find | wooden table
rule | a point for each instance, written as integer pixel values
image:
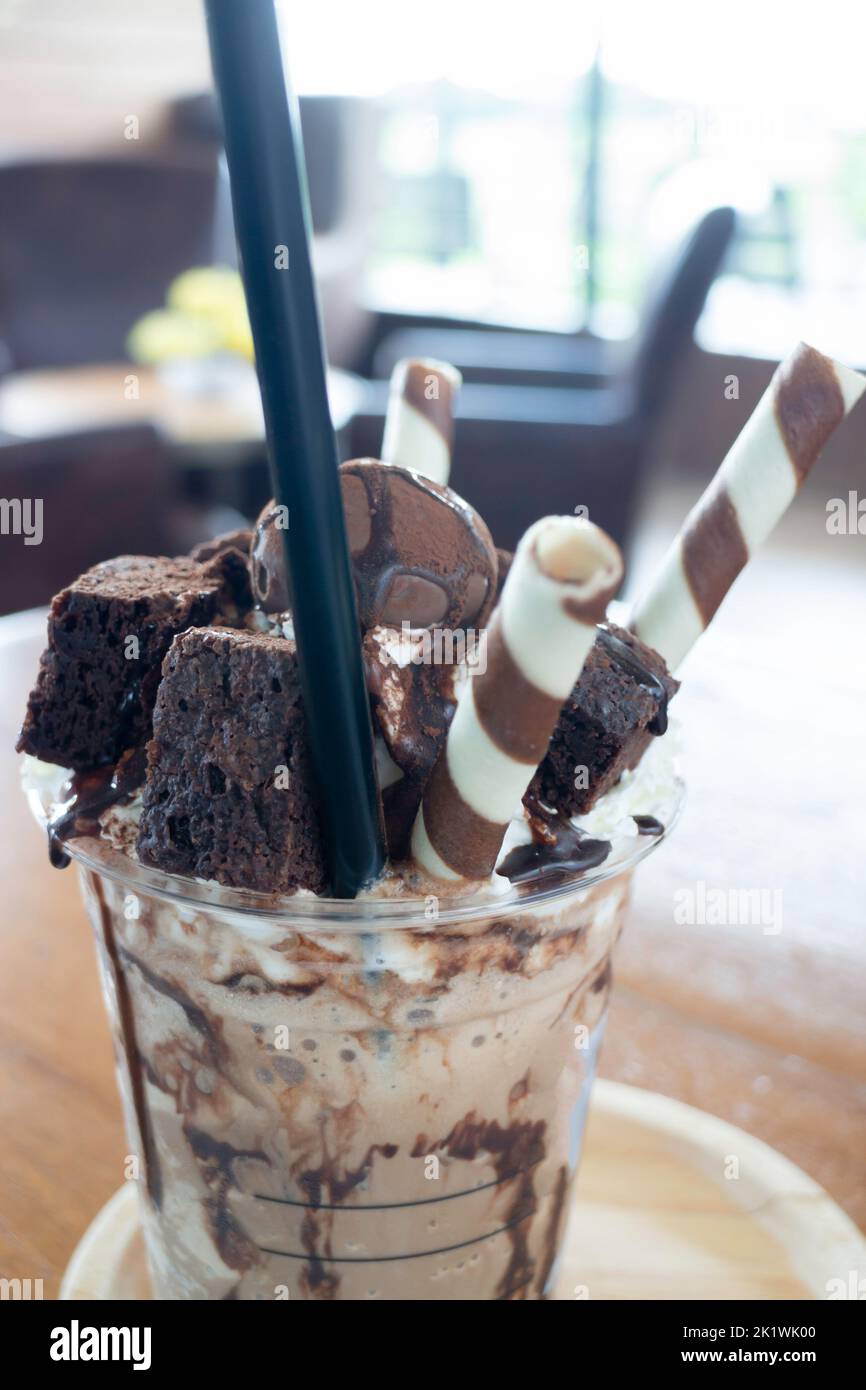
(763, 1029)
(218, 413)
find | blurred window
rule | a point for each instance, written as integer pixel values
(503, 155)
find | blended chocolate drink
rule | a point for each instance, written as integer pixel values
(381, 1097)
(378, 1109)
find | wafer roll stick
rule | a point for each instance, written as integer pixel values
(419, 424)
(564, 573)
(807, 398)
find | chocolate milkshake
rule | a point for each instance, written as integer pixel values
(381, 1097)
(386, 1109)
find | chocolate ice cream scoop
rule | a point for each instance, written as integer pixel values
(420, 554)
(268, 561)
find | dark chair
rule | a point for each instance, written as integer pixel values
(103, 493)
(194, 120)
(89, 245)
(339, 135)
(549, 422)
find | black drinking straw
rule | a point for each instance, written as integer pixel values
(269, 197)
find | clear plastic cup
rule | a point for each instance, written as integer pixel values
(378, 1099)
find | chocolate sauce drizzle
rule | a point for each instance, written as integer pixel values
(648, 825)
(88, 795)
(629, 660)
(126, 1023)
(557, 848)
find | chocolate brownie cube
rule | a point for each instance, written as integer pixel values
(240, 540)
(228, 556)
(107, 636)
(229, 793)
(617, 706)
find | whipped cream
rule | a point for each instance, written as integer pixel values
(652, 789)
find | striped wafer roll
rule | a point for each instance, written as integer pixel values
(807, 398)
(419, 425)
(564, 573)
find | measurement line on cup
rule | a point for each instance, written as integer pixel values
(387, 1259)
(390, 1206)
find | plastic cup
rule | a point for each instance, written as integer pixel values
(368, 1099)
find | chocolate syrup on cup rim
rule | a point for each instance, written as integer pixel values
(361, 913)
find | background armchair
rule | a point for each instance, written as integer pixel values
(550, 421)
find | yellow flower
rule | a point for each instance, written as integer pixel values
(163, 335)
(216, 294)
(237, 334)
(207, 292)
(206, 313)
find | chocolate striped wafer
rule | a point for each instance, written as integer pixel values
(419, 424)
(807, 398)
(564, 573)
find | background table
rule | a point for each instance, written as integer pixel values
(765, 1030)
(228, 414)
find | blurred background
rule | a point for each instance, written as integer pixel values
(615, 220)
(596, 216)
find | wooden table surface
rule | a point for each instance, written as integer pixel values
(190, 408)
(762, 1028)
